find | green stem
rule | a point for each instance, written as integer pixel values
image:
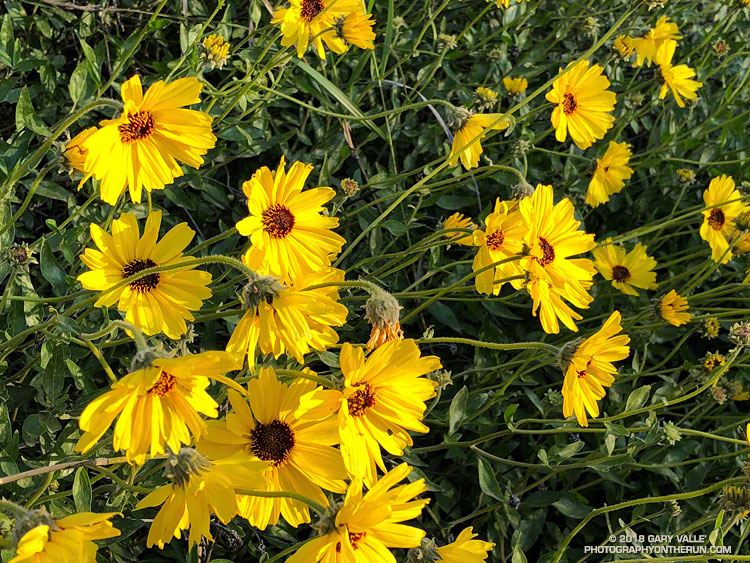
(637, 502)
(493, 345)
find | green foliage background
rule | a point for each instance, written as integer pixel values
(499, 456)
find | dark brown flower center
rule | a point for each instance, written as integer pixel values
(163, 385)
(569, 103)
(548, 252)
(354, 539)
(278, 221)
(495, 240)
(361, 400)
(310, 9)
(620, 273)
(146, 283)
(139, 126)
(272, 442)
(716, 219)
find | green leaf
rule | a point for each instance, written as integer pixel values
(487, 481)
(609, 442)
(457, 410)
(53, 273)
(510, 410)
(26, 117)
(637, 398)
(571, 507)
(77, 85)
(518, 555)
(82, 490)
(329, 358)
(568, 451)
(336, 92)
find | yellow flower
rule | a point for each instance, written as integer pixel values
(76, 154)
(356, 28)
(610, 174)
(140, 149)
(309, 19)
(289, 319)
(293, 429)
(465, 549)
(290, 237)
(711, 327)
(367, 525)
(712, 360)
(673, 309)
(199, 488)
(515, 85)
(590, 370)
(625, 46)
(501, 239)
(719, 216)
(67, 540)
(677, 78)
(158, 405)
(552, 238)
(686, 176)
(581, 103)
(486, 98)
(458, 221)
(741, 395)
(626, 271)
(155, 303)
(470, 127)
(383, 398)
(216, 51)
(647, 46)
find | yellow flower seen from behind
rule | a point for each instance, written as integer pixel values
(582, 102)
(458, 221)
(293, 428)
(141, 148)
(158, 302)
(719, 216)
(289, 234)
(673, 309)
(368, 524)
(465, 549)
(501, 239)
(515, 85)
(65, 540)
(486, 98)
(157, 406)
(626, 271)
(356, 28)
(290, 319)
(678, 79)
(590, 369)
(647, 46)
(466, 145)
(216, 51)
(611, 172)
(197, 491)
(382, 400)
(624, 46)
(75, 153)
